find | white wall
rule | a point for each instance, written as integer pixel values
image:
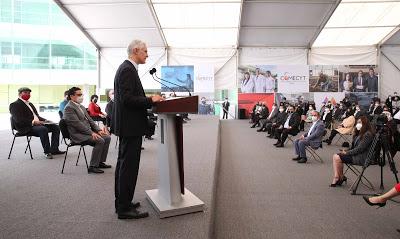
(389, 73)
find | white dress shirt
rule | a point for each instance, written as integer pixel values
(35, 117)
(134, 64)
(312, 127)
(286, 125)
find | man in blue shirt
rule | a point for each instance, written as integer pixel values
(63, 104)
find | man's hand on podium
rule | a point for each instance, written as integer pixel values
(156, 98)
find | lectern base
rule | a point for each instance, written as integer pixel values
(189, 204)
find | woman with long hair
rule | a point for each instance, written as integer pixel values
(357, 154)
(247, 84)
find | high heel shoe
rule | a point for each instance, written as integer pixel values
(337, 183)
(379, 204)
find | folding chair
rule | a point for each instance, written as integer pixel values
(314, 154)
(364, 180)
(18, 134)
(343, 137)
(66, 136)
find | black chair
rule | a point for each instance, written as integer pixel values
(66, 136)
(18, 134)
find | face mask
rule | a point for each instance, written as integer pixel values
(358, 109)
(79, 99)
(314, 118)
(327, 110)
(280, 110)
(112, 97)
(95, 100)
(376, 105)
(358, 126)
(25, 97)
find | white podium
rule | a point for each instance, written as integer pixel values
(172, 198)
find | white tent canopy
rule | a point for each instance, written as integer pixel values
(265, 31)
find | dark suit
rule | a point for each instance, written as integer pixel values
(23, 117)
(328, 119)
(109, 110)
(280, 120)
(372, 83)
(294, 122)
(225, 107)
(360, 85)
(129, 122)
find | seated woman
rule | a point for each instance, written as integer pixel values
(95, 110)
(380, 201)
(362, 138)
(346, 127)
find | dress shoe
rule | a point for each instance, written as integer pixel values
(149, 138)
(302, 160)
(48, 156)
(297, 158)
(279, 145)
(338, 182)
(132, 214)
(379, 204)
(259, 130)
(103, 165)
(278, 142)
(58, 152)
(133, 205)
(94, 170)
(253, 126)
(142, 148)
(270, 136)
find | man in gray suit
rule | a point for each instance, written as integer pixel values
(312, 138)
(83, 129)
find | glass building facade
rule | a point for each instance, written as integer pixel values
(40, 47)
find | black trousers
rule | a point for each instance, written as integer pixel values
(283, 133)
(225, 115)
(126, 171)
(42, 131)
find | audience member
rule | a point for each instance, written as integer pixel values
(27, 120)
(362, 138)
(95, 110)
(109, 108)
(280, 120)
(346, 127)
(261, 113)
(290, 126)
(83, 129)
(63, 104)
(327, 117)
(312, 138)
(270, 119)
(381, 200)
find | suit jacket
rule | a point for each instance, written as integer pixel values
(281, 118)
(80, 125)
(328, 120)
(356, 84)
(22, 116)
(372, 83)
(130, 103)
(109, 110)
(294, 121)
(360, 148)
(226, 105)
(316, 134)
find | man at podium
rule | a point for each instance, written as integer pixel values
(129, 123)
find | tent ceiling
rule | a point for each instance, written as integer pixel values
(113, 24)
(283, 23)
(236, 23)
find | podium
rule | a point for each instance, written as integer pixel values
(172, 198)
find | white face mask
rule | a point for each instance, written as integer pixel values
(280, 110)
(79, 99)
(358, 126)
(310, 108)
(314, 118)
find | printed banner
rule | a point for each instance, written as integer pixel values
(178, 78)
(323, 97)
(204, 78)
(292, 79)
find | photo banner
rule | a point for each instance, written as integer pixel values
(204, 78)
(247, 101)
(181, 78)
(293, 79)
(323, 97)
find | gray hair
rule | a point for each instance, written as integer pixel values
(317, 112)
(138, 44)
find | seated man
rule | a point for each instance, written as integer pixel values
(83, 129)
(280, 120)
(327, 117)
(291, 126)
(270, 119)
(262, 114)
(313, 138)
(27, 120)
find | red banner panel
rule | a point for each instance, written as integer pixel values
(247, 101)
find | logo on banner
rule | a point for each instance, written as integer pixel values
(287, 76)
(332, 100)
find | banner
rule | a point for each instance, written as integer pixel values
(247, 101)
(179, 78)
(292, 79)
(204, 78)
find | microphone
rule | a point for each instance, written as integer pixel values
(153, 71)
